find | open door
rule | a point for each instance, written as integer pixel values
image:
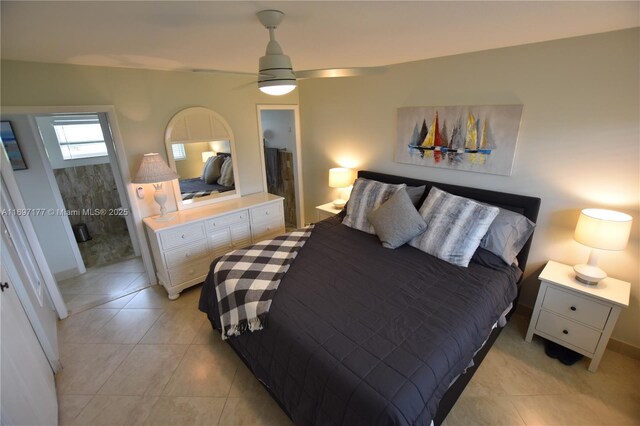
(279, 127)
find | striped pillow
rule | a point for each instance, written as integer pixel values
(455, 226)
(226, 173)
(366, 196)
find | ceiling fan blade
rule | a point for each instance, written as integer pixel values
(339, 72)
(223, 72)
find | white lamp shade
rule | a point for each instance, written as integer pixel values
(340, 177)
(153, 169)
(603, 229)
(206, 155)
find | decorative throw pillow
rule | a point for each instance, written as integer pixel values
(226, 173)
(212, 169)
(507, 234)
(415, 193)
(397, 221)
(367, 195)
(455, 226)
(204, 169)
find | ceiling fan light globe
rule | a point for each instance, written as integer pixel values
(277, 88)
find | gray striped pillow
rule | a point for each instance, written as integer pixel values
(366, 196)
(455, 226)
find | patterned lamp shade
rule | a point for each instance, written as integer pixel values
(153, 169)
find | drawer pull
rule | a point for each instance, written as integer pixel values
(565, 331)
(183, 236)
(573, 308)
(187, 254)
(266, 213)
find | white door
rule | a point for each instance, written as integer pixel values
(27, 387)
(19, 259)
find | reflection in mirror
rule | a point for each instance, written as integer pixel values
(200, 150)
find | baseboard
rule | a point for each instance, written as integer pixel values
(65, 275)
(619, 346)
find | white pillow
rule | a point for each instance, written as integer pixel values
(366, 196)
(455, 226)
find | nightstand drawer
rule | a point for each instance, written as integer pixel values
(576, 307)
(568, 331)
(183, 235)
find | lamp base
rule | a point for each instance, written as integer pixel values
(339, 203)
(589, 274)
(165, 218)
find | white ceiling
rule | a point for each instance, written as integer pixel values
(184, 35)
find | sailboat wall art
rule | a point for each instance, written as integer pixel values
(471, 138)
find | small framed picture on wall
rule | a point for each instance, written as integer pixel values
(11, 146)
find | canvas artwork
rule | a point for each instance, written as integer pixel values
(471, 138)
(11, 147)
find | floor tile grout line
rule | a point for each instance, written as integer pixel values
(117, 366)
(161, 392)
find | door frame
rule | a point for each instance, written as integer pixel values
(32, 238)
(123, 166)
(298, 158)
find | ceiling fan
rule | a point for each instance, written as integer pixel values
(276, 75)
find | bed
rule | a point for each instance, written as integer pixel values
(358, 334)
(196, 187)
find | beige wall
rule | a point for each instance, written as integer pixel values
(145, 101)
(579, 141)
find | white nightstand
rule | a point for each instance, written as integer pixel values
(575, 315)
(326, 210)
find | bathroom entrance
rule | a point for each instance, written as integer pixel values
(71, 174)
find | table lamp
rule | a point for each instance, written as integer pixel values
(341, 178)
(601, 230)
(154, 170)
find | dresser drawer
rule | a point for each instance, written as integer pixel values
(227, 219)
(576, 307)
(568, 331)
(182, 235)
(266, 213)
(266, 230)
(180, 256)
(189, 271)
(220, 241)
(240, 235)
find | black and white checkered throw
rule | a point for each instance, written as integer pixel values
(246, 280)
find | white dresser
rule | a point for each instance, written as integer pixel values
(184, 247)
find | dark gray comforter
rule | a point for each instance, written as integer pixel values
(362, 335)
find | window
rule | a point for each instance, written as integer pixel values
(80, 136)
(178, 151)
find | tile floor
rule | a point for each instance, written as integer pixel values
(103, 284)
(143, 359)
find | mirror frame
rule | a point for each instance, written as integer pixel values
(216, 121)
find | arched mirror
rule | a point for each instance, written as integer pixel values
(200, 148)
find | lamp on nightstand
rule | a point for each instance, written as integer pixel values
(341, 178)
(601, 230)
(154, 170)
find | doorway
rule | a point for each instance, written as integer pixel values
(89, 234)
(279, 128)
